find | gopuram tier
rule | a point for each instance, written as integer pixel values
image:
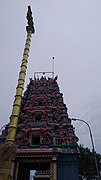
(43, 119)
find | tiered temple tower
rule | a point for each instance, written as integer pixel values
(45, 138)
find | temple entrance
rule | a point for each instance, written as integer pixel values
(33, 171)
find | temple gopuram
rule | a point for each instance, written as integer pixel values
(45, 137)
(45, 140)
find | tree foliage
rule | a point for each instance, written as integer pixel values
(87, 167)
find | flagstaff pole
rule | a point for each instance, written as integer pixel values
(8, 150)
(19, 90)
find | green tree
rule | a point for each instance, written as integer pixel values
(87, 168)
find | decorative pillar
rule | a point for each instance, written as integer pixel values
(53, 168)
(15, 170)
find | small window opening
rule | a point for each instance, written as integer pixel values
(35, 140)
(38, 116)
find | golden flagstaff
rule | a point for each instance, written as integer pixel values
(8, 150)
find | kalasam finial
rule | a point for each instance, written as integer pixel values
(29, 17)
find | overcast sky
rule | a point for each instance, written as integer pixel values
(69, 30)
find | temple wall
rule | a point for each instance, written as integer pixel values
(67, 168)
